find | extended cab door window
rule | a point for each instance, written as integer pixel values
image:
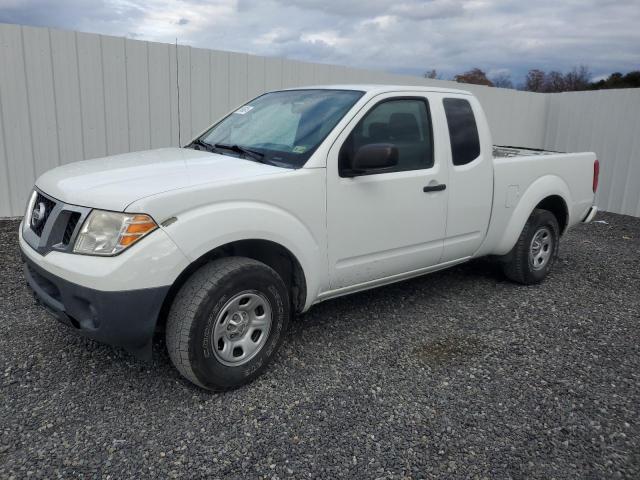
(404, 123)
(463, 131)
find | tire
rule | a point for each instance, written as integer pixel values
(217, 334)
(528, 263)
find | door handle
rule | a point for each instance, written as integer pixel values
(434, 188)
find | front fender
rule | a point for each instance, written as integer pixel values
(201, 230)
(540, 189)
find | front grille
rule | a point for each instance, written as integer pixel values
(45, 206)
(56, 226)
(70, 228)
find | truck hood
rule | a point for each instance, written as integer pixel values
(112, 183)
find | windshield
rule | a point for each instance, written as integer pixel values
(281, 128)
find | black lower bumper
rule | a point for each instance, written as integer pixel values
(123, 318)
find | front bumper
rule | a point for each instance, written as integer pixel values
(115, 300)
(122, 318)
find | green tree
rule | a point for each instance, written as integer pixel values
(618, 80)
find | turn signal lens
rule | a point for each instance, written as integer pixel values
(141, 224)
(136, 229)
(109, 233)
(125, 241)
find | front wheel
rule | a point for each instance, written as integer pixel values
(226, 322)
(533, 255)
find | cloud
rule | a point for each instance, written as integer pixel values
(404, 36)
(428, 10)
(66, 13)
(349, 8)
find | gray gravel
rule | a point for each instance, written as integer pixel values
(456, 375)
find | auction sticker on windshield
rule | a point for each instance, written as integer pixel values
(243, 110)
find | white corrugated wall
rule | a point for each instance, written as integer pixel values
(606, 122)
(67, 96)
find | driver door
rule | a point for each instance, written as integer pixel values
(392, 222)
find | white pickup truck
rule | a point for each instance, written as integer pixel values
(296, 197)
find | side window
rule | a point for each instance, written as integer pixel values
(463, 131)
(405, 123)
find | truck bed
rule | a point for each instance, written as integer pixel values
(522, 177)
(502, 151)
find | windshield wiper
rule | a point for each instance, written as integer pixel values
(257, 156)
(207, 146)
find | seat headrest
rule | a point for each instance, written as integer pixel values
(404, 127)
(379, 131)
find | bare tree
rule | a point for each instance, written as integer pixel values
(577, 79)
(502, 80)
(433, 74)
(475, 76)
(555, 82)
(535, 81)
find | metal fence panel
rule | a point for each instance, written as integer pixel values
(41, 99)
(161, 86)
(115, 95)
(66, 83)
(16, 120)
(606, 122)
(92, 95)
(220, 101)
(200, 91)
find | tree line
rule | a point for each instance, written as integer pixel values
(577, 79)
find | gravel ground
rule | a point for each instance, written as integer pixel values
(459, 374)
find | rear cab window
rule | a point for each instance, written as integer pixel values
(463, 131)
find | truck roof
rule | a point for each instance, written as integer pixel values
(371, 88)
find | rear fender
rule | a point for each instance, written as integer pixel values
(540, 189)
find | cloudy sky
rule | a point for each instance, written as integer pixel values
(400, 36)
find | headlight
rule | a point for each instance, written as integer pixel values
(109, 233)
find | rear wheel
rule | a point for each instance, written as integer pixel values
(226, 322)
(533, 255)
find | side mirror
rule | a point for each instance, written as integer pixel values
(372, 157)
